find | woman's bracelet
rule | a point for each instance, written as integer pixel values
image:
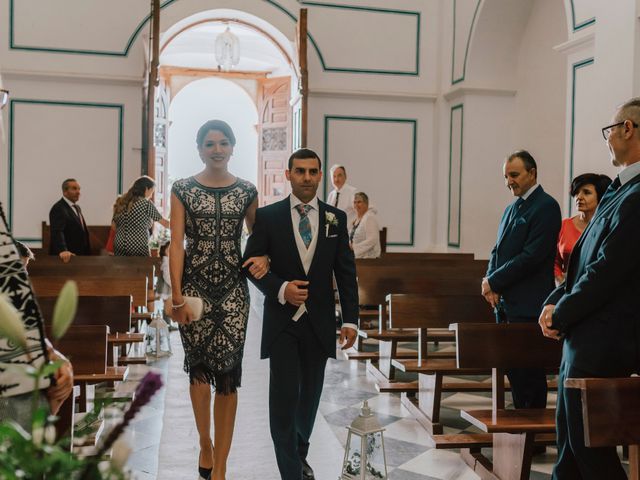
(180, 305)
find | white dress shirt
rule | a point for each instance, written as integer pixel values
(345, 201)
(72, 205)
(306, 254)
(626, 174)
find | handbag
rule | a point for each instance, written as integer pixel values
(196, 305)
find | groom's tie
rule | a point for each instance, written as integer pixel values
(304, 227)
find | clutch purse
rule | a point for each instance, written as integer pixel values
(196, 305)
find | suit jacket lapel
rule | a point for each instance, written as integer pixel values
(73, 214)
(506, 223)
(287, 225)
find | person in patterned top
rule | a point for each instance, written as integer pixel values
(133, 217)
(207, 215)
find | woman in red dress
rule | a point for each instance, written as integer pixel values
(587, 190)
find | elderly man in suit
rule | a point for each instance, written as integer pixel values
(69, 233)
(308, 244)
(597, 309)
(342, 195)
(520, 273)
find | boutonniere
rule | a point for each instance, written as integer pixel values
(329, 219)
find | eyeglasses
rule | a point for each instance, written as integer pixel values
(606, 131)
(4, 97)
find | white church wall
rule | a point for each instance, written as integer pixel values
(57, 130)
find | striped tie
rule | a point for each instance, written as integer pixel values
(304, 227)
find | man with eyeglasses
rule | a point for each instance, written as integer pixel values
(597, 309)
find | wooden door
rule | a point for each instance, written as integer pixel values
(299, 103)
(274, 138)
(160, 136)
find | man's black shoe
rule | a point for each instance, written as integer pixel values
(307, 471)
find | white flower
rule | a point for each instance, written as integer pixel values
(330, 219)
(37, 436)
(50, 434)
(11, 326)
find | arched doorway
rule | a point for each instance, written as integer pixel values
(206, 99)
(268, 72)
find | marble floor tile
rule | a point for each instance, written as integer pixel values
(408, 430)
(440, 464)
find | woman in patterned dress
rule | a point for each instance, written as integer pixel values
(208, 210)
(133, 217)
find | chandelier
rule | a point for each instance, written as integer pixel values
(227, 50)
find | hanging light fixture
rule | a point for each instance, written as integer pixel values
(227, 50)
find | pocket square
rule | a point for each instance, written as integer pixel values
(335, 235)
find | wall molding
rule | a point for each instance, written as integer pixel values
(577, 42)
(28, 101)
(466, 51)
(411, 121)
(74, 77)
(455, 242)
(385, 11)
(574, 74)
(583, 24)
(124, 52)
(458, 92)
(374, 95)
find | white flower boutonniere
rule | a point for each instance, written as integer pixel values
(330, 219)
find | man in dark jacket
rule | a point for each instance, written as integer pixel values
(69, 233)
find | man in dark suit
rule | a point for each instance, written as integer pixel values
(69, 233)
(597, 309)
(520, 273)
(308, 245)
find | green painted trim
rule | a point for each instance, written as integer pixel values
(460, 107)
(132, 38)
(29, 240)
(576, 66)
(583, 24)
(12, 111)
(386, 11)
(466, 51)
(414, 123)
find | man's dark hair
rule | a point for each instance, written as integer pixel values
(303, 154)
(527, 159)
(217, 125)
(66, 183)
(599, 181)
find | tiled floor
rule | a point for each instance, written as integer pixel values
(164, 439)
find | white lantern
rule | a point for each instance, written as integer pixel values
(364, 457)
(158, 341)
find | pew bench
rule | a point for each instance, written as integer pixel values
(611, 414)
(502, 346)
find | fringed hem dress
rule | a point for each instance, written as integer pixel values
(214, 218)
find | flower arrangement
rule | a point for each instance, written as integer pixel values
(36, 454)
(160, 237)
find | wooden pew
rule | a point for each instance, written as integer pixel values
(425, 312)
(86, 347)
(95, 266)
(98, 236)
(611, 414)
(113, 311)
(502, 346)
(136, 286)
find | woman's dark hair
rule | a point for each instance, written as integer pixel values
(217, 125)
(599, 181)
(137, 190)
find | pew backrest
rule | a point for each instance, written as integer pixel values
(85, 346)
(431, 311)
(113, 311)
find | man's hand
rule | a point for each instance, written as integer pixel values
(546, 320)
(59, 392)
(66, 256)
(347, 337)
(258, 266)
(296, 292)
(489, 295)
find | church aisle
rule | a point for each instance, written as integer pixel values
(410, 455)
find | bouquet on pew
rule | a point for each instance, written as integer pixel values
(37, 454)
